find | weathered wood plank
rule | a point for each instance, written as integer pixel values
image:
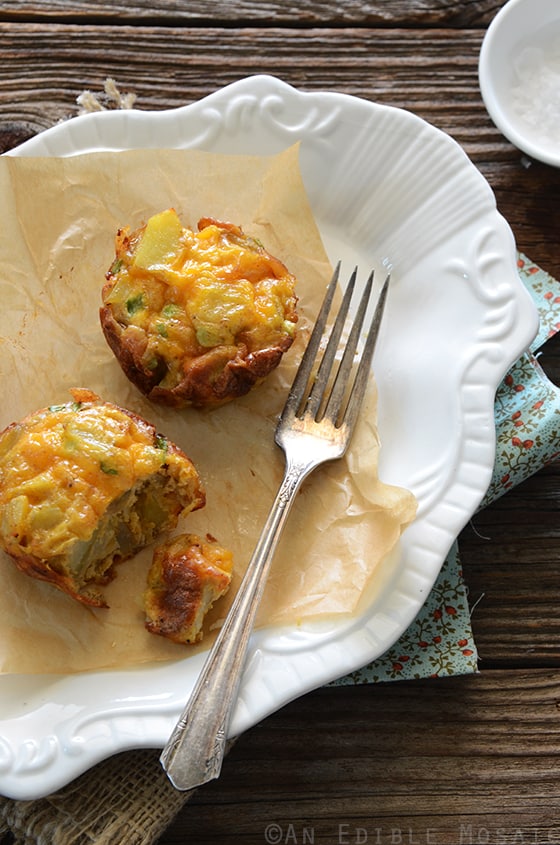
(441, 762)
(511, 562)
(302, 13)
(434, 73)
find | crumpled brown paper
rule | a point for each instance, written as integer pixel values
(58, 221)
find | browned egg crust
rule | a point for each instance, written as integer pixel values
(187, 576)
(85, 485)
(196, 317)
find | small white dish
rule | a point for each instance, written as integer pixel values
(519, 75)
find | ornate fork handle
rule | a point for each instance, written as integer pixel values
(195, 750)
(315, 426)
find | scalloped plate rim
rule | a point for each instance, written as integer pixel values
(48, 758)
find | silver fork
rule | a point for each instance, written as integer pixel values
(316, 426)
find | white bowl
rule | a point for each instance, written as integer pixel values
(519, 75)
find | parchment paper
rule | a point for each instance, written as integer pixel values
(58, 220)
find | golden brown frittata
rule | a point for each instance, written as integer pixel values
(196, 317)
(187, 575)
(85, 485)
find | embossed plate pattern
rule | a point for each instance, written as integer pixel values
(387, 187)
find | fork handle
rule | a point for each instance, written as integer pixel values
(194, 753)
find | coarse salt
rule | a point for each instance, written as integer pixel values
(536, 92)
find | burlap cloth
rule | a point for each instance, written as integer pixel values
(127, 799)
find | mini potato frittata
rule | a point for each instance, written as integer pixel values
(85, 485)
(196, 317)
(188, 574)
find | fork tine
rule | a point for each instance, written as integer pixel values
(340, 385)
(297, 390)
(323, 373)
(364, 367)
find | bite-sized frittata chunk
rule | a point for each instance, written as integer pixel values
(196, 317)
(187, 576)
(85, 485)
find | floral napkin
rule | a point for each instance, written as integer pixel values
(527, 413)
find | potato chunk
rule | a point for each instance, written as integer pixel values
(160, 243)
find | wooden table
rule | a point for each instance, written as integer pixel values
(465, 760)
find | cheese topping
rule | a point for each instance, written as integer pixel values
(63, 468)
(178, 293)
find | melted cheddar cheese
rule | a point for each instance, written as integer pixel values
(174, 295)
(85, 484)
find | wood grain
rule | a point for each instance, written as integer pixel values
(511, 557)
(459, 760)
(302, 13)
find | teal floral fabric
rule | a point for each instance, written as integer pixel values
(527, 407)
(527, 411)
(440, 640)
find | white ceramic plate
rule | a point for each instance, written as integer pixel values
(385, 187)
